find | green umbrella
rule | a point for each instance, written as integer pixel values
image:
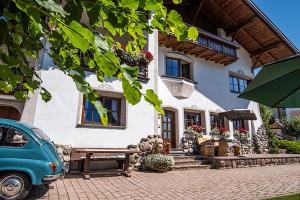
(277, 84)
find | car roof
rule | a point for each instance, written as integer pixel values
(15, 123)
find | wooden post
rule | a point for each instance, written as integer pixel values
(126, 165)
(86, 168)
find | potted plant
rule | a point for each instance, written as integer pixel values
(195, 131)
(242, 135)
(220, 134)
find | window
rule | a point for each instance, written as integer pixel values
(41, 134)
(237, 85)
(12, 138)
(191, 118)
(216, 121)
(113, 106)
(238, 123)
(178, 68)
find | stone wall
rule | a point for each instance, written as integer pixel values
(148, 145)
(261, 141)
(64, 152)
(236, 162)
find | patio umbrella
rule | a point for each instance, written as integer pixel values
(277, 84)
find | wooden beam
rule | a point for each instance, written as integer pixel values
(233, 21)
(243, 25)
(265, 49)
(197, 12)
(256, 61)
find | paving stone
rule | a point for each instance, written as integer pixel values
(238, 183)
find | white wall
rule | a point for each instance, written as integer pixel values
(59, 117)
(212, 93)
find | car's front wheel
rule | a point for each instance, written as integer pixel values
(14, 186)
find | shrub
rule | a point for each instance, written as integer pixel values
(159, 162)
(292, 126)
(290, 146)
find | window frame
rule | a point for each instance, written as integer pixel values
(243, 124)
(21, 132)
(98, 124)
(179, 68)
(191, 113)
(239, 81)
(217, 123)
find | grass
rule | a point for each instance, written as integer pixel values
(288, 197)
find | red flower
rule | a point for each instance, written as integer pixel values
(197, 128)
(148, 55)
(222, 130)
(242, 130)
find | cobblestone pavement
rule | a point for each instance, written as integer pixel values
(240, 183)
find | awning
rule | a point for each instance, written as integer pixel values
(239, 114)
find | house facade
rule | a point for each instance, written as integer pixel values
(197, 82)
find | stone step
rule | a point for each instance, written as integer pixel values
(183, 157)
(187, 162)
(188, 167)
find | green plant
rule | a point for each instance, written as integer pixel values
(292, 126)
(71, 27)
(290, 146)
(159, 162)
(266, 114)
(195, 130)
(220, 133)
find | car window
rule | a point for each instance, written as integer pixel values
(12, 138)
(41, 134)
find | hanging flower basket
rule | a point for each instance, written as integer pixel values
(134, 59)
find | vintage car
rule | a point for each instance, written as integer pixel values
(27, 157)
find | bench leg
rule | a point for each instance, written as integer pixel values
(126, 166)
(120, 164)
(86, 168)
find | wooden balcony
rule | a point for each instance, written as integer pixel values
(208, 46)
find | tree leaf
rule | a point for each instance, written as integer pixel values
(5, 86)
(102, 112)
(193, 33)
(52, 6)
(45, 94)
(132, 4)
(177, 1)
(132, 94)
(153, 99)
(108, 63)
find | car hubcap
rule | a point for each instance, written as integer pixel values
(11, 187)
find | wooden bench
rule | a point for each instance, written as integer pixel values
(85, 156)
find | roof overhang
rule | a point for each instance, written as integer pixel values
(245, 23)
(239, 114)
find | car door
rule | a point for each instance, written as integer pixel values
(16, 144)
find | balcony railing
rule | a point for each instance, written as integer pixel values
(208, 46)
(142, 75)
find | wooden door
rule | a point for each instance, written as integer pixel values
(168, 128)
(9, 113)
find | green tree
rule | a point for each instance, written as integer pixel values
(266, 115)
(24, 22)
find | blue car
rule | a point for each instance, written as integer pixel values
(27, 157)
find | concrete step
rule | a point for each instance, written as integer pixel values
(188, 167)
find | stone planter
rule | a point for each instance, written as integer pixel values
(236, 150)
(223, 148)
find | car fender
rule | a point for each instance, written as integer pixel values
(35, 169)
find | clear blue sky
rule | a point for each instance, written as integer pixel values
(285, 14)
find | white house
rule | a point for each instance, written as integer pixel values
(195, 80)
